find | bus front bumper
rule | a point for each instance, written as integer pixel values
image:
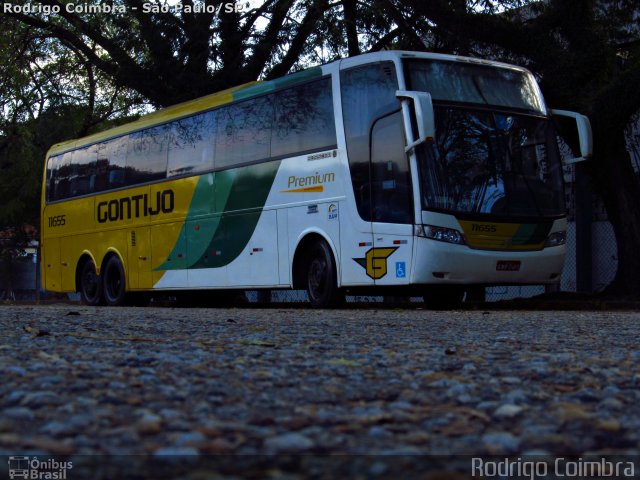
(446, 263)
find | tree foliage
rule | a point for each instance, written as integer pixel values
(48, 93)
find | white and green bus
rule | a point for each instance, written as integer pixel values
(395, 173)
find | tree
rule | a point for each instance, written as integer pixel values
(170, 56)
(48, 93)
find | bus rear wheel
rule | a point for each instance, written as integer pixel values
(443, 297)
(113, 281)
(90, 284)
(321, 277)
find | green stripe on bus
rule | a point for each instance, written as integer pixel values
(240, 195)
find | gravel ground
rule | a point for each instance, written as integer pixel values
(200, 382)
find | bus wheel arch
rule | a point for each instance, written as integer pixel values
(114, 280)
(89, 281)
(315, 270)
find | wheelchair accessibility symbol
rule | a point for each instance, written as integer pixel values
(401, 270)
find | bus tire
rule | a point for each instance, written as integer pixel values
(321, 276)
(443, 297)
(90, 284)
(113, 282)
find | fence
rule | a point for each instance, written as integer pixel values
(18, 277)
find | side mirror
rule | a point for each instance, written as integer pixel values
(424, 116)
(585, 136)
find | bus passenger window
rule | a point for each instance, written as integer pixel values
(147, 155)
(82, 169)
(52, 166)
(390, 178)
(244, 132)
(368, 93)
(99, 181)
(111, 160)
(191, 145)
(304, 119)
(61, 177)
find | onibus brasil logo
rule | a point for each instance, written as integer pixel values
(33, 468)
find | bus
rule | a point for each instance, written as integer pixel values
(390, 173)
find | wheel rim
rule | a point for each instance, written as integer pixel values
(113, 283)
(317, 278)
(90, 284)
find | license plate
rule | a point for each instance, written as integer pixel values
(508, 265)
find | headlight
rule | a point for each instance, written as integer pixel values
(556, 238)
(442, 234)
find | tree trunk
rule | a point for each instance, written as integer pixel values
(353, 46)
(619, 187)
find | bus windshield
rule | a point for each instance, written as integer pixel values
(498, 164)
(495, 153)
(478, 84)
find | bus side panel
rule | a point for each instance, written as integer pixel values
(139, 258)
(321, 218)
(257, 264)
(69, 221)
(108, 242)
(199, 249)
(51, 264)
(70, 253)
(169, 240)
(169, 237)
(284, 266)
(119, 219)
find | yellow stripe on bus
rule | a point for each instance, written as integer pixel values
(317, 188)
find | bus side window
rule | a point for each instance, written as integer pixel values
(391, 181)
(83, 167)
(368, 93)
(52, 165)
(112, 164)
(192, 144)
(244, 132)
(147, 155)
(99, 180)
(61, 177)
(304, 119)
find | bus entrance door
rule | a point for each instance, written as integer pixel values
(391, 202)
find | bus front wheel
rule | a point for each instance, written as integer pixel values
(90, 284)
(113, 281)
(321, 277)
